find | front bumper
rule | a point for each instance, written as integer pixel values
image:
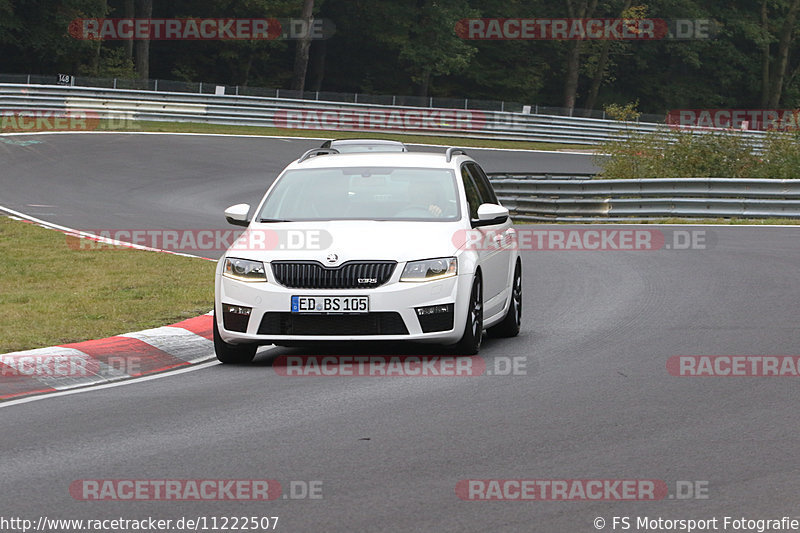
(391, 305)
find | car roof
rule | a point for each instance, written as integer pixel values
(378, 159)
(334, 142)
(365, 145)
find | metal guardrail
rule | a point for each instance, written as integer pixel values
(496, 176)
(531, 198)
(133, 105)
(326, 96)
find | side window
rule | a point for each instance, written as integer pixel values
(482, 182)
(473, 196)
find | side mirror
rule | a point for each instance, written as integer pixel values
(237, 215)
(490, 214)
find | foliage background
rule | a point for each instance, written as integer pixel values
(410, 47)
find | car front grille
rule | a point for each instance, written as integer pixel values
(315, 275)
(379, 323)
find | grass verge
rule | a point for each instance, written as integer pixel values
(53, 294)
(465, 142)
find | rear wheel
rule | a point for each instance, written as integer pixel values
(235, 354)
(510, 325)
(470, 342)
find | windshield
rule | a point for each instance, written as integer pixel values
(374, 193)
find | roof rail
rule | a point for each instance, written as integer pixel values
(317, 151)
(364, 141)
(452, 151)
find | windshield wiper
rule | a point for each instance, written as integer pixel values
(272, 220)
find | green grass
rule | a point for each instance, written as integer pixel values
(455, 140)
(53, 293)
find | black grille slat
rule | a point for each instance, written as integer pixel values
(381, 323)
(315, 275)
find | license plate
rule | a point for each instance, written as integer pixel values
(330, 304)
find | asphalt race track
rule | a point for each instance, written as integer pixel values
(110, 181)
(595, 399)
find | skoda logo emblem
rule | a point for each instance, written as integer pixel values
(332, 258)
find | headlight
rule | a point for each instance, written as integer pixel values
(244, 269)
(430, 269)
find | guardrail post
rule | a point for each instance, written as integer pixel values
(317, 95)
(355, 98)
(201, 87)
(430, 102)
(502, 105)
(277, 93)
(155, 87)
(465, 102)
(29, 79)
(237, 90)
(115, 83)
(394, 99)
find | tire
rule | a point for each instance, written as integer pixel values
(470, 342)
(509, 327)
(233, 354)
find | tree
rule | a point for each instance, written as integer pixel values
(781, 61)
(431, 47)
(598, 65)
(302, 49)
(575, 9)
(144, 9)
(129, 12)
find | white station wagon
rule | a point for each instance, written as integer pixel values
(388, 246)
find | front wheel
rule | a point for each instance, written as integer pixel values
(510, 325)
(470, 342)
(235, 354)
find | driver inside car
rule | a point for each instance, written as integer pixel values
(423, 195)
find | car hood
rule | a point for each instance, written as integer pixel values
(349, 240)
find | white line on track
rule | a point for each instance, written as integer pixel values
(122, 383)
(91, 388)
(92, 236)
